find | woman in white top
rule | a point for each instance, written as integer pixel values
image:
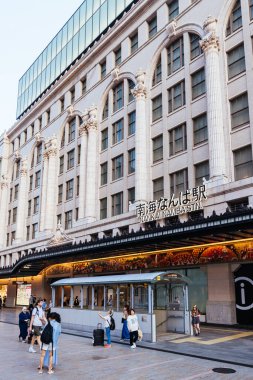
(133, 326)
(107, 324)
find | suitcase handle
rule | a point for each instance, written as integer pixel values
(99, 326)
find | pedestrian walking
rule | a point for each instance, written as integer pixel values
(38, 320)
(24, 320)
(133, 326)
(76, 301)
(107, 324)
(49, 351)
(125, 332)
(195, 314)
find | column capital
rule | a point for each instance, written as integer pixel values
(4, 182)
(50, 147)
(83, 129)
(92, 121)
(24, 166)
(210, 41)
(140, 90)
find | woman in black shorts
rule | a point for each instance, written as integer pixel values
(195, 313)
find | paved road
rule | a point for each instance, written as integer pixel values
(78, 359)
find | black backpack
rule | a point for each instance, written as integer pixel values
(112, 324)
(47, 334)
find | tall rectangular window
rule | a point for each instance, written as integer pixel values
(9, 217)
(37, 178)
(157, 149)
(251, 9)
(134, 42)
(62, 104)
(60, 193)
(69, 189)
(84, 85)
(178, 182)
(68, 220)
(14, 215)
(72, 130)
(195, 46)
(78, 154)
(35, 229)
(152, 27)
(16, 188)
(131, 123)
(103, 208)
(71, 159)
(158, 188)
(243, 163)
(36, 205)
(157, 76)
(178, 139)
(200, 132)
(173, 9)
(11, 190)
(201, 171)
(117, 167)
(39, 154)
(48, 116)
(117, 54)
(18, 163)
(72, 95)
(77, 185)
(103, 69)
(106, 109)
(175, 55)
(29, 208)
(131, 161)
(104, 139)
(118, 97)
(117, 204)
(30, 182)
(239, 109)
(61, 166)
(27, 233)
(198, 83)
(131, 86)
(40, 122)
(118, 131)
(176, 96)
(131, 195)
(236, 61)
(104, 173)
(157, 107)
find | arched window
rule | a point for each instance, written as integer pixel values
(195, 46)
(118, 96)
(72, 130)
(157, 77)
(175, 53)
(63, 138)
(131, 86)
(105, 110)
(235, 19)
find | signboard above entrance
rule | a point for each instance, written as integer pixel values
(189, 201)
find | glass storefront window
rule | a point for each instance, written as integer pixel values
(141, 297)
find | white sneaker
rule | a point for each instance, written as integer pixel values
(31, 349)
(134, 345)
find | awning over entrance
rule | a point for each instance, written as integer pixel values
(125, 279)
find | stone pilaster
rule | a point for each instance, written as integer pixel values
(210, 46)
(51, 150)
(44, 192)
(141, 151)
(83, 165)
(22, 196)
(92, 154)
(4, 207)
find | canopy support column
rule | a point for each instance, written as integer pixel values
(81, 304)
(71, 297)
(117, 294)
(92, 297)
(131, 295)
(53, 296)
(62, 295)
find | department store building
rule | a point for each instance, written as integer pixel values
(132, 152)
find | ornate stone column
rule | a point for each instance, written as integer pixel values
(92, 154)
(210, 46)
(44, 191)
(83, 164)
(4, 207)
(141, 156)
(51, 150)
(22, 196)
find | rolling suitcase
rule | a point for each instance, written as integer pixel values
(98, 336)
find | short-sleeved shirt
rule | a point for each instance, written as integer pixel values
(107, 321)
(38, 313)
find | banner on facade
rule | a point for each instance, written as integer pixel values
(186, 202)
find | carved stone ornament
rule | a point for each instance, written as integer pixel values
(115, 74)
(140, 90)
(17, 155)
(171, 28)
(210, 41)
(38, 138)
(59, 237)
(51, 146)
(92, 121)
(24, 166)
(4, 181)
(70, 111)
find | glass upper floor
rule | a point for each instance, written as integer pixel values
(84, 26)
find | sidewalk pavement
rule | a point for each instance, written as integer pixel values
(225, 345)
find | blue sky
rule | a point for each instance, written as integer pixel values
(26, 27)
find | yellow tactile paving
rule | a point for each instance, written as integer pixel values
(213, 341)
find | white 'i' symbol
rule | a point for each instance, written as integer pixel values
(242, 293)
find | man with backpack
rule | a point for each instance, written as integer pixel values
(109, 325)
(38, 320)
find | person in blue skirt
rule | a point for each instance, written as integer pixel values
(125, 332)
